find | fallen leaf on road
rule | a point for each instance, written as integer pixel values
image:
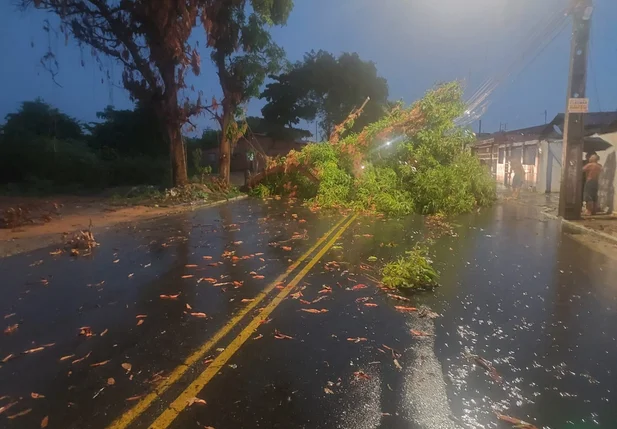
(21, 413)
(397, 365)
(105, 362)
(248, 300)
(356, 340)
(286, 248)
(313, 310)
(116, 261)
(140, 322)
(11, 329)
(131, 275)
(370, 304)
(405, 309)
(264, 321)
(170, 296)
(127, 367)
(35, 395)
(280, 336)
(56, 252)
(200, 315)
(359, 286)
(188, 307)
(372, 259)
(367, 235)
(44, 422)
(63, 358)
(7, 316)
(325, 289)
(34, 350)
(195, 401)
(207, 257)
(141, 316)
(258, 337)
(416, 333)
(81, 359)
(296, 295)
(514, 421)
(190, 266)
(362, 375)
(7, 406)
(136, 397)
(187, 276)
(207, 279)
(398, 297)
(305, 302)
(86, 331)
(328, 391)
(258, 277)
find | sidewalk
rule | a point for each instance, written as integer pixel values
(603, 227)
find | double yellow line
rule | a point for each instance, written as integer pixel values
(165, 419)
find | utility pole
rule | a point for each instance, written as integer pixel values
(570, 194)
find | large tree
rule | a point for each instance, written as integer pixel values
(327, 88)
(37, 118)
(243, 54)
(150, 39)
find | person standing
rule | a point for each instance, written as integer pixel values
(592, 172)
(519, 177)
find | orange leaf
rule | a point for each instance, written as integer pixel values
(7, 406)
(63, 358)
(359, 286)
(286, 248)
(21, 413)
(170, 296)
(44, 422)
(258, 277)
(127, 367)
(105, 362)
(279, 336)
(370, 304)
(313, 310)
(419, 333)
(188, 307)
(258, 337)
(141, 316)
(35, 395)
(207, 279)
(86, 331)
(296, 295)
(195, 401)
(361, 374)
(190, 266)
(81, 359)
(405, 309)
(248, 300)
(111, 381)
(134, 398)
(104, 332)
(201, 315)
(34, 350)
(11, 329)
(187, 276)
(356, 340)
(207, 257)
(140, 322)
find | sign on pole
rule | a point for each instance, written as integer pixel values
(578, 105)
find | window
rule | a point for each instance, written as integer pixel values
(529, 155)
(502, 154)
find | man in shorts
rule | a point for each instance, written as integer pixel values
(592, 172)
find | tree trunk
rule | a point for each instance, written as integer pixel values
(225, 147)
(176, 153)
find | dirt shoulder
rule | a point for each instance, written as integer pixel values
(34, 223)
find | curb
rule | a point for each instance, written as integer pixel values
(573, 225)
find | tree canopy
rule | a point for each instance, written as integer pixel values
(328, 88)
(37, 118)
(150, 39)
(243, 54)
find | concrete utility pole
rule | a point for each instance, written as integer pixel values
(570, 195)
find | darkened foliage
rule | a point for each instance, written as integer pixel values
(328, 88)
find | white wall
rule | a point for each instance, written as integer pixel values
(608, 178)
(543, 158)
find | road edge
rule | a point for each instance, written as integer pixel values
(573, 225)
(23, 245)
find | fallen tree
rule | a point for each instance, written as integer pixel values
(413, 160)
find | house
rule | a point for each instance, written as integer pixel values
(256, 148)
(540, 150)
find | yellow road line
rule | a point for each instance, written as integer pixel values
(170, 414)
(130, 415)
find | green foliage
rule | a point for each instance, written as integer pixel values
(326, 87)
(425, 168)
(261, 191)
(413, 271)
(39, 119)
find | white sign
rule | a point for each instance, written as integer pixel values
(578, 105)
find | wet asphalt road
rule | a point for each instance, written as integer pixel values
(515, 290)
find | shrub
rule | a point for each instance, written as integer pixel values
(413, 271)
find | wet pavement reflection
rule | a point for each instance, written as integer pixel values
(516, 290)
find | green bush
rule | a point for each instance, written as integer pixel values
(413, 271)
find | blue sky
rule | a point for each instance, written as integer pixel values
(415, 44)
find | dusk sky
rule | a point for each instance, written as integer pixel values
(414, 43)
